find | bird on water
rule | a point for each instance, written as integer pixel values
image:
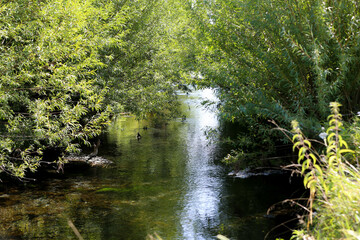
(138, 136)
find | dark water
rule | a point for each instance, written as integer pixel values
(170, 183)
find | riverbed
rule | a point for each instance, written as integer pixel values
(170, 182)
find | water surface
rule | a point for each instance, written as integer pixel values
(170, 182)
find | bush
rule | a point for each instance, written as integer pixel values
(333, 206)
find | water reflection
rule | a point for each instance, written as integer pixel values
(202, 180)
(166, 183)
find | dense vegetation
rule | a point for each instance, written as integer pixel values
(332, 177)
(278, 60)
(68, 66)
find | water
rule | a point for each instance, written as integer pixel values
(169, 182)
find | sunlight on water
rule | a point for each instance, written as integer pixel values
(203, 184)
(168, 182)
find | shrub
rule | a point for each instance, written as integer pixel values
(333, 205)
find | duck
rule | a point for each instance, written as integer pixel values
(138, 136)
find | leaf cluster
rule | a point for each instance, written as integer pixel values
(67, 66)
(280, 60)
(333, 184)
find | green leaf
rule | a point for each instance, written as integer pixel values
(308, 143)
(295, 145)
(346, 151)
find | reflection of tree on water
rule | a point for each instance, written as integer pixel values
(169, 185)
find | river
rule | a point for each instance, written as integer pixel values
(169, 182)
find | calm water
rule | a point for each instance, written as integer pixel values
(170, 183)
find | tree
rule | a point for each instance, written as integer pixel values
(49, 99)
(279, 59)
(138, 72)
(68, 66)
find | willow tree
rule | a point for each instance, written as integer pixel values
(279, 59)
(67, 66)
(48, 99)
(140, 72)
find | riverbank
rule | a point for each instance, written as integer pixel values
(171, 182)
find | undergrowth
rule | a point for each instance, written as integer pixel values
(333, 180)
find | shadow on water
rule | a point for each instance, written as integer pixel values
(168, 182)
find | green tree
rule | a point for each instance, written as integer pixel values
(140, 72)
(48, 96)
(67, 66)
(278, 59)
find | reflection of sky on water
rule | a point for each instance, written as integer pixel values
(201, 202)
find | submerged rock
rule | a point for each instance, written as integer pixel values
(248, 172)
(85, 161)
(99, 162)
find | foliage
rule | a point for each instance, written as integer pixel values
(279, 60)
(333, 183)
(48, 97)
(153, 237)
(139, 72)
(254, 140)
(66, 66)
